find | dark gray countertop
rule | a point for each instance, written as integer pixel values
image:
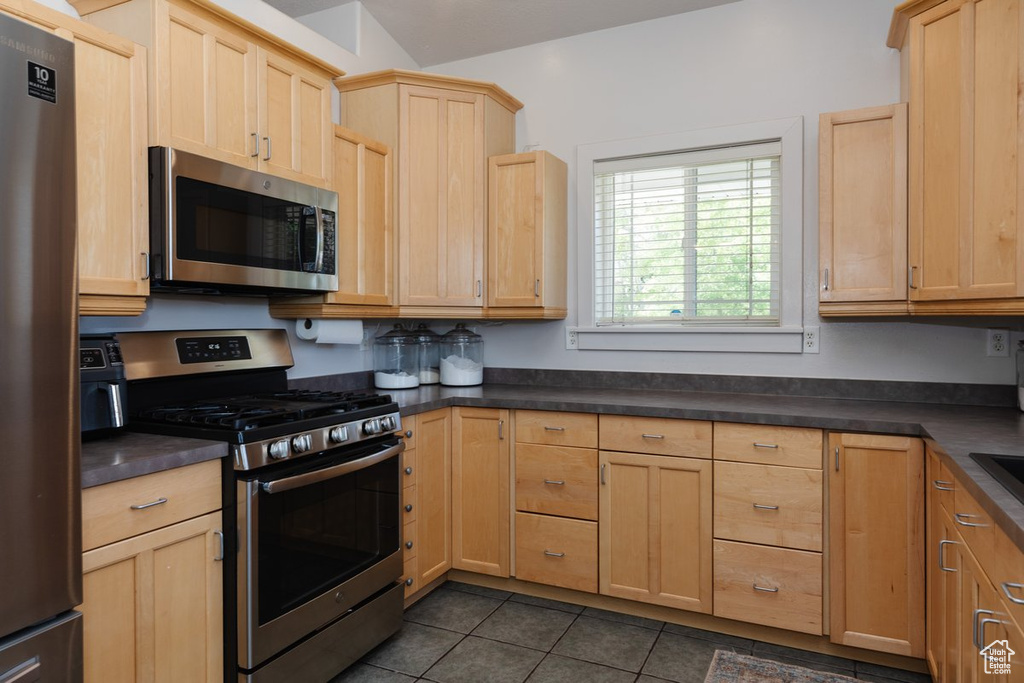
(130, 455)
(953, 430)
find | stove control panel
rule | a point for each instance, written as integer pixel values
(256, 454)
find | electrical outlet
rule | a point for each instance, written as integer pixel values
(998, 344)
(571, 341)
(811, 339)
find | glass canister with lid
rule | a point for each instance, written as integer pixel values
(428, 351)
(395, 360)
(462, 357)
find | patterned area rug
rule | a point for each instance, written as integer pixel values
(730, 667)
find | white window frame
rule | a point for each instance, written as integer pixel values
(787, 336)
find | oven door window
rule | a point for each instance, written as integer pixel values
(314, 537)
(223, 225)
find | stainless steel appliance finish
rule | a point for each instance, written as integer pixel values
(40, 518)
(312, 496)
(339, 645)
(219, 227)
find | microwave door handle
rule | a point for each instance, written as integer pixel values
(319, 265)
(317, 476)
(114, 397)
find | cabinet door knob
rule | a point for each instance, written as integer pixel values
(408, 582)
(408, 470)
(408, 433)
(408, 545)
(408, 508)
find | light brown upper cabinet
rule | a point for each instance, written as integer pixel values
(526, 235)
(862, 248)
(361, 176)
(113, 191)
(225, 89)
(442, 131)
(961, 75)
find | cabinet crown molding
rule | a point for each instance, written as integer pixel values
(404, 77)
(901, 19)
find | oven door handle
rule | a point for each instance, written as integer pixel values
(299, 480)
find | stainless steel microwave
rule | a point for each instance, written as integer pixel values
(215, 227)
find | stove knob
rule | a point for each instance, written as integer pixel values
(302, 443)
(371, 427)
(339, 434)
(278, 449)
(387, 423)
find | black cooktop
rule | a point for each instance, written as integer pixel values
(259, 416)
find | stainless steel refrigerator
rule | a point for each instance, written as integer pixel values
(40, 480)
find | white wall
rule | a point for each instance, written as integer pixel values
(748, 61)
(752, 60)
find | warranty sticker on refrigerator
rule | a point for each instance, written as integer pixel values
(42, 82)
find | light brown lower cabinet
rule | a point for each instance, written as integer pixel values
(427, 498)
(480, 490)
(153, 605)
(557, 551)
(655, 529)
(877, 543)
(766, 585)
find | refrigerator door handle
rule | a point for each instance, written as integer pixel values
(29, 671)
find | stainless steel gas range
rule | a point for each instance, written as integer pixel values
(311, 496)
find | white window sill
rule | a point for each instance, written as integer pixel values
(712, 339)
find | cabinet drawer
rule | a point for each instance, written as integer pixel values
(771, 586)
(409, 431)
(122, 509)
(656, 435)
(408, 504)
(769, 445)
(554, 480)
(998, 556)
(556, 551)
(768, 505)
(409, 544)
(408, 468)
(556, 429)
(409, 577)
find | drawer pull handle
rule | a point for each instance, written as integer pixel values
(942, 556)
(653, 436)
(943, 485)
(220, 545)
(408, 470)
(765, 590)
(554, 482)
(551, 554)
(974, 626)
(603, 482)
(765, 445)
(408, 508)
(158, 501)
(959, 517)
(1006, 591)
(554, 429)
(765, 507)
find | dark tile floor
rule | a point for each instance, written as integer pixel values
(468, 634)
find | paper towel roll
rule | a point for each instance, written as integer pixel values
(330, 331)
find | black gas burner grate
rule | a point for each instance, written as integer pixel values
(244, 413)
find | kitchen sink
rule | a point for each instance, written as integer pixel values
(1007, 469)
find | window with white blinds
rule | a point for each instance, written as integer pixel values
(689, 238)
